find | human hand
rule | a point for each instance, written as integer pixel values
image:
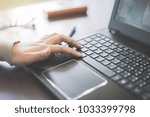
(27, 53)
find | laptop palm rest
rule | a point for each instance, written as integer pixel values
(73, 79)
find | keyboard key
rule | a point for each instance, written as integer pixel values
(111, 41)
(118, 49)
(145, 77)
(120, 57)
(105, 62)
(130, 86)
(147, 87)
(122, 81)
(132, 51)
(109, 57)
(133, 64)
(118, 69)
(104, 54)
(107, 44)
(133, 78)
(82, 42)
(137, 91)
(92, 37)
(116, 77)
(120, 46)
(109, 51)
(131, 56)
(88, 52)
(145, 96)
(125, 74)
(129, 68)
(98, 51)
(94, 55)
(126, 48)
(83, 55)
(103, 37)
(125, 53)
(142, 84)
(99, 59)
(84, 49)
(102, 41)
(116, 44)
(98, 45)
(88, 39)
(103, 69)
(97, 39)
(137, 72)
(126, 60)
(103, 48)
(122, 64)
(98, 35)
(88, 45)
(112, 47)
(107, 39)
(114, 54)
(115, 61)
(93, 48)
(112, 66)
(93, 42)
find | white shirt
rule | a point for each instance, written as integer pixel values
(6, 50)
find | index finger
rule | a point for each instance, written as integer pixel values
(56, 39)
(64, 49)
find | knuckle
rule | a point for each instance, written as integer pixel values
(47, 51)
(62, 36)
(50, 50)
(54, 33)
(40, 44)
(70, 41)
(59, 37)
(61, 48)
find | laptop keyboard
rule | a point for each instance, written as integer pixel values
(127, 67)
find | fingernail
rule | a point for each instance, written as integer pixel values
(79, 46)
(79, 54)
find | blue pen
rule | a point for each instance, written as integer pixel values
(72, 32)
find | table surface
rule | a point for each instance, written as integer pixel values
(19, 83)
(13, 3)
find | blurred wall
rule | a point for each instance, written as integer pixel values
(4, 4)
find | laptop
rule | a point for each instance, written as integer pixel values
(115, 63)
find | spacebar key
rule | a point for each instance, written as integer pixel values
(103, 69)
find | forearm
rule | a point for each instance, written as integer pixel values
(6, 50)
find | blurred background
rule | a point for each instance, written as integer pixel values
(23, 11)
(4, 4)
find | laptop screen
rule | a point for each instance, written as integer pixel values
(135, 13)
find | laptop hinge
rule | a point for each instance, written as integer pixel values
(113, 31)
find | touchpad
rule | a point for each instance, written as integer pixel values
(73, 79)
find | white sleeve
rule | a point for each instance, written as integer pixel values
(6, 50)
